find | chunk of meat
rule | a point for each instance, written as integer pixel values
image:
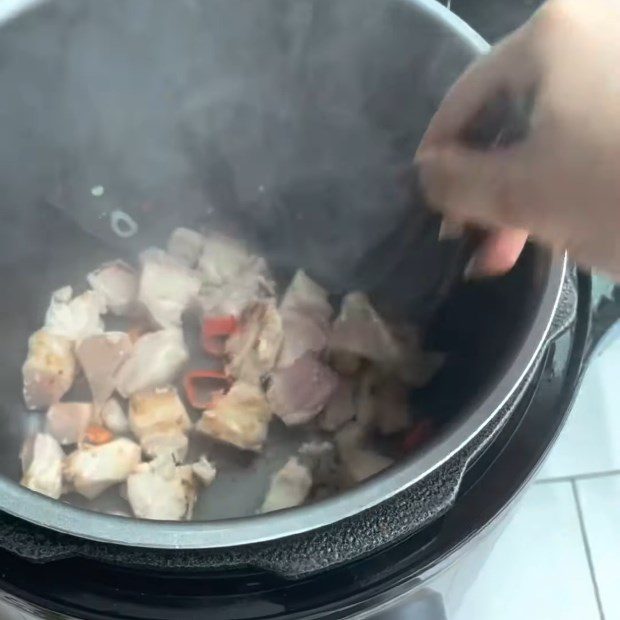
(67, 422)
(224, 260)
(161, 490)
(289, 487)
(42, 459)
(302, 333)
(306, 297)
(100, 357)
(240, 417)
(157, 411)
(113, 417)
(167, 288)
(359, 330)
(117, 283)
(391, 402)
(300, 392)
(341, 407)
(358, 462)
(417, 367)
(155, 361)
(49, 369)
(305, 311)
(204, 470)
(75, 318)
(186, 246)
(166, 443)
(254, 347)
(93, 469)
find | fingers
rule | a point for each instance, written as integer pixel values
(505, 67)
(486, 188)
(498, 254)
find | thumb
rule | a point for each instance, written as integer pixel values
(481, 187)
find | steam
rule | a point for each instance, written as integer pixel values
(283, 122)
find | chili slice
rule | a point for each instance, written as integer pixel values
(98, 435)
(214, 330)
(192, 381)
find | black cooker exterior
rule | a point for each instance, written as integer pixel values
(422, 576)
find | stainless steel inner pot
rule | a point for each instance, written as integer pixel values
(278, 120)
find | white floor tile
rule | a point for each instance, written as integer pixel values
(600, 502)
(538, 569)
(590, 441)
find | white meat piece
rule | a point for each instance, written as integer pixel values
(341, 407)
(241, 417)
(113, 417)
(361, 331)
(42, 459)
(357, 461)
(299, 392)
(254, 348)
(302, 333)
(289, 487)
(117, 283)
(93, 469)
(157, 411)
(223, 260)
(100, 357)
(417, 367)
(204, 470)
(167, 288)
(166, 443)
(305, 311)
(67, 422)
(186, 246)
(49, 369)
(76, 318)
(306, 297)
(160, 490)
(155, 361)
(391, 403)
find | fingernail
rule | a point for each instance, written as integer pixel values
(449, 231)
(472, 270)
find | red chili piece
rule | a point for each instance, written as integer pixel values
(418, 435)
(213, 382)
(214, 331)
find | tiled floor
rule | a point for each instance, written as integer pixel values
(559, 558)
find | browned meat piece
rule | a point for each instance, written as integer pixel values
(93, 469)
(240, 418)
(100, 357)
(75, 318)
(42, 459)
(155, 361)
(299, 392)
(113, 417)
(49, 369)
(117, 283)
(162, 490)
(204, 470)
(359, 330)
(254, 348)
(289, 487)
(159, 420)
(67, 422)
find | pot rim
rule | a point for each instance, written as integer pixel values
(53, 514)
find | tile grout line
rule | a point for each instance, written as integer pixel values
(586, 544)
(577, 477)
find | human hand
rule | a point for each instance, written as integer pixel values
(561, 182)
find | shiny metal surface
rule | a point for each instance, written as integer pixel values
(440, 47)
